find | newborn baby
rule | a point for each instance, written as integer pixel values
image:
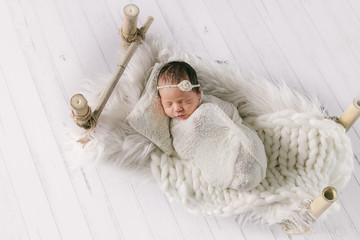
(209, 132)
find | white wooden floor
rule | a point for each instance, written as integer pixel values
(48, 48)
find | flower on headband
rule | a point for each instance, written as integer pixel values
(184, 86)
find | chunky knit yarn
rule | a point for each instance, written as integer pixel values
(305, 154)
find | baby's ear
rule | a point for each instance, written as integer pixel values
(200, 93)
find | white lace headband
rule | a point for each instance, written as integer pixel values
(184, 86)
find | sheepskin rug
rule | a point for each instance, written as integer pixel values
(306, 151)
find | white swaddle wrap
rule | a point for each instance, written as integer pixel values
(228, 153)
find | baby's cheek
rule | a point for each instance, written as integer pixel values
(168, 113)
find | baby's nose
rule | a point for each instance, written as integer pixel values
(178, 108)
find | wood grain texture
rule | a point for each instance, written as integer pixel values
(48, 50)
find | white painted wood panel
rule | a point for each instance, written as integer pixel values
(47, 161)
(50, 47)
(16, 155)
(52, 72)
(12, 222)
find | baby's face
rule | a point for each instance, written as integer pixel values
(178, 104)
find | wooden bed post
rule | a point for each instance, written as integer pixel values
(129, 29)
(317, 207)
(351, 114)
(327, 197)
(132, 38)
(81, 112)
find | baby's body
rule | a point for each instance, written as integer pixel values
(228, 153)
(209, 132)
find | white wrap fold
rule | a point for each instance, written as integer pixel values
(228, 153)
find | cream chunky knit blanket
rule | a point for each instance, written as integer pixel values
(305, 151)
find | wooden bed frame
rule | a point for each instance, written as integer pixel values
(131, 39)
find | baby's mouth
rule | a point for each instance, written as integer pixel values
(181, 116)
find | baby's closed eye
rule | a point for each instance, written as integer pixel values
(185, 101)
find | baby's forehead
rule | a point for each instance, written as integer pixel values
(173, 93)
(167, 78)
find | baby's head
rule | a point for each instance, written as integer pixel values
(179, 89)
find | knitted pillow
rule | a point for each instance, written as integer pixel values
(148, 117)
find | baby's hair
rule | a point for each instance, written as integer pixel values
(174, 72)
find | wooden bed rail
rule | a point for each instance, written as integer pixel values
(131, 39)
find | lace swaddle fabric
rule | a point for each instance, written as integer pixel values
(227, 153)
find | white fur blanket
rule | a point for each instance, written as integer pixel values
(306, 152)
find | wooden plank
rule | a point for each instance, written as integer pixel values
(156, 209)
(181, 27)
(349, 197)
(225, 228)
(82, 37)
(253, 230)
(265, 45)
(193, 226)
(287, 43)
(12, 223)
(304, 41)
(57, 72)
(279, 234)
(96, 205)
(306, 38)
(208, 31)
(104, 30)
(247, 58)
(34, 208)
(125, 204)
(62, 59)
(45, 157)
(320, 232)
(338, 30)
(340, 226)
(354, 8)
(331, 49)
